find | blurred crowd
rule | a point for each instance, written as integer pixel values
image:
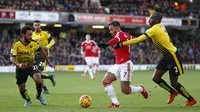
(170, 8)
(66, 51)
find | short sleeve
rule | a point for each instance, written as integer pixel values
(13, 50)
(47, 35)
(150, 32)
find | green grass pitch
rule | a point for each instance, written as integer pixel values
(70, 86)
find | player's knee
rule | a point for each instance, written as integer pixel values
(21, 86)
(155, 79)
(106, 82)
(125, 91)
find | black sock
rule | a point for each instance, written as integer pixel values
(183, 91)
(39, 89)
(165, 86)
(25, 95)
(44, 86)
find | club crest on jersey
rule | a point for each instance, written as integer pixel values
(88, 47)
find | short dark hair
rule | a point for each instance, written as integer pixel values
(36, 21)
(25, 28)
(114, 23)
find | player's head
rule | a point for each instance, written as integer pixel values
(87, 37)
(114, 27)
(155, 18)
(36, 25)
(27, 33)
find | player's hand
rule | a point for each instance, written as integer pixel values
(118, 45)
(22, 65)
(52, 65)
(103, 45)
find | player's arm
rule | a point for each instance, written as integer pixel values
(82, 52)
(42, 50)
(135, 40)
(112, 42)
(51, 41)
(13, 53)
(148, 34)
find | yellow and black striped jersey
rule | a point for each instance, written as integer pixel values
(161, 39)
(24, 53)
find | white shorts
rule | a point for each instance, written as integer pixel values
(96, 60)
(89, 60)
(122, 71)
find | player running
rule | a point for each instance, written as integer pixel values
(45, 41)
(171, 60)
(87, 52)
(23, 56)
(123, 67)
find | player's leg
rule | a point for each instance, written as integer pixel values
(160, 70)
(110, 76)
(47, 76)
(96, 65)
(38, 81)
(125, 77)
(85, 71)
(21, 77)
(89, 61)
(174, 74)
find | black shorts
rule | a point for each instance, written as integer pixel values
(40, 61)
(22, 74)
(173, 64)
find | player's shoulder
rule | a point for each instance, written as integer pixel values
(17, 42)
(34, 42)
(44, 32)
(92, 41)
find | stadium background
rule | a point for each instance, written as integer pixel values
(69, 20)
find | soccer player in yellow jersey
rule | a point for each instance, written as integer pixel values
(23, 56)
(170, 62)
(45, 41)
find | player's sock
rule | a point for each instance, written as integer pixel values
(85, 71)
(45, 76)
(134, 89)
(111, 93)
(91, 73)
(25, 95)
(165, 86)
(97, 70)
(183, 91)
(39, 90)
(94, 68)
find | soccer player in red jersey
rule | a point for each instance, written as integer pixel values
(96, 51)
(87, 52)
(123, 67)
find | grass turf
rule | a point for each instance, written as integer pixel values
(70, 86)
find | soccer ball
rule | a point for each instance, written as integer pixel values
(85, 101)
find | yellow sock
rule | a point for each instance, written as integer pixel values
(45, 76)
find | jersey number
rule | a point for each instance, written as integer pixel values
(176, 69)
(35, 67)
(125, 73)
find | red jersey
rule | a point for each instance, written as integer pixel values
(122, 54)
(96, 51)
(88, 48)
